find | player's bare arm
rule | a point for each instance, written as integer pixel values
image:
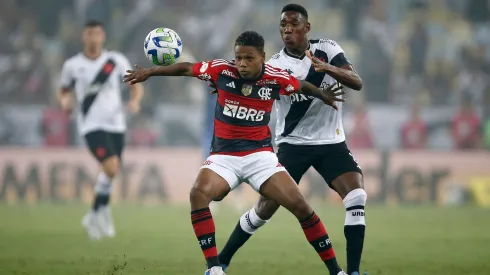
(346, 74)
(137, 92)
(142, 74)
(328, 95)
(65, 99)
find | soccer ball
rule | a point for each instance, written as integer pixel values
(163, 46)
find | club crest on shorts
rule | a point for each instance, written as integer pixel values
(246, 89)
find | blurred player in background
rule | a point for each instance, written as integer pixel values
(95, 76)
(242, 148)
(310, 133)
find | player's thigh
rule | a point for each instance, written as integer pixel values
(221, 171)
(339, 169)
(296, 159)
(102, 146)
(282, 189)
(209, 186)
(119, 142)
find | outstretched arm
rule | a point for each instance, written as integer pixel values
(142, 74)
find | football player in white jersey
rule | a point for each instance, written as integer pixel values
(310, 134)
(95, 77)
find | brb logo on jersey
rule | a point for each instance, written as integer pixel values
(265, 93)
(233, 109)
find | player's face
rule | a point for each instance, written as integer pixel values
(293, 28)
(93, 37)
(249, 61)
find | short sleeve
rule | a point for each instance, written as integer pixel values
(67, 80)
(206, 70)
(123, 64)
(289, 85)
(335, 54)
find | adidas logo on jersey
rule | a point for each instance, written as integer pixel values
(231, 84)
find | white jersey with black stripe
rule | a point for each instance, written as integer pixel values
(304, 120)
(97, 84)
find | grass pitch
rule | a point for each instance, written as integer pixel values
(48, 240)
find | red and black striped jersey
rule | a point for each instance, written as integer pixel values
(242, 114)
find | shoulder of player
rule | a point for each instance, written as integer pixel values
(324, 42)
(274, 60)
(116, 55)
(222, 63)
(272, 71)
(275, 56)
(74, 60)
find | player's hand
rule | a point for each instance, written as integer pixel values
(213, 87)
(66, 103)
(317, 64)
(136, 76)
(332, 93)
(134, 106)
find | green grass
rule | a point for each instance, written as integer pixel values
(47, 239)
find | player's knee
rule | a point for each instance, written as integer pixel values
(266, 208)
(200, 195)
(301, 209)
(356, 197)
(111, 166)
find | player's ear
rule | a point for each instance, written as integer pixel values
(308, 27)
(262, 56)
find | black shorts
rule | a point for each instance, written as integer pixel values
(104, 145)
(329, 160)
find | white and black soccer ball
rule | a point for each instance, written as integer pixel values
(163, 46)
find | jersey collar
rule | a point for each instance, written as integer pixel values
(102, 53)
(296, 56)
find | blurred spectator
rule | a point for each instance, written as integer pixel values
(438, 83)
(55, 127)
(473, 75)
(419, 44)
(360, 135)
(142, 134)
(377, 48)
(486, 119)
(414, 131)
(466, 126)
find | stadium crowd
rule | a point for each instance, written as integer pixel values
(425, 66)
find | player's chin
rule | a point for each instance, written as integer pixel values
(245, 75)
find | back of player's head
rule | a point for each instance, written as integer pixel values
(251, 38)
(93, 24)
(295, 8)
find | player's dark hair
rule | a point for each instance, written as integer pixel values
(93, 24)
(251, 38)
(296, 8)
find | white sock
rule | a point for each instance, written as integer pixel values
(354, 204)
(250, 222)
(103, 185)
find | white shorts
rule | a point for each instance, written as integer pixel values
(253, 169)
